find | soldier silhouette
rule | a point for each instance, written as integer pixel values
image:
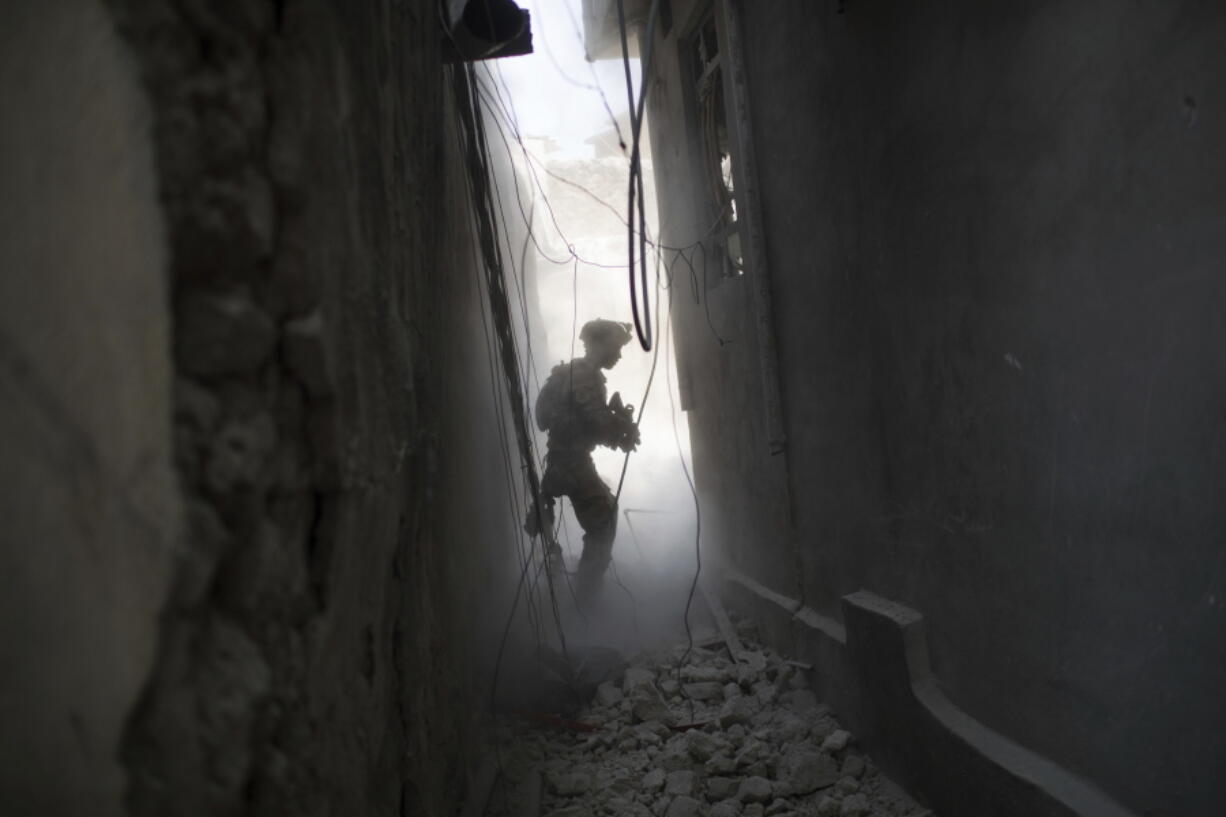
(573, 408)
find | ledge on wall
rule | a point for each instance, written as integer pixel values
(874, 670)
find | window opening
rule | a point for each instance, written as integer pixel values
(716, 153)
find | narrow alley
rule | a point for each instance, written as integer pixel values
(568, 408)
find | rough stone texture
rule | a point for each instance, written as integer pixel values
(332, 417)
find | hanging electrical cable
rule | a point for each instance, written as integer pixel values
(637, 109)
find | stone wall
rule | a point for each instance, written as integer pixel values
(290, 197)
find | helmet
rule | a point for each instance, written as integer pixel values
(605, 331)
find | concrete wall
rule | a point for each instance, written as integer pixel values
(994, 236)
(248, 414)
(89, 502)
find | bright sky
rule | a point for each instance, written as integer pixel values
(555, 94)
(555, 88)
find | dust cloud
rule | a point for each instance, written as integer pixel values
(565, 120)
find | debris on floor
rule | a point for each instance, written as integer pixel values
(709, 737)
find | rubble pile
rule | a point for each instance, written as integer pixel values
(710, 737)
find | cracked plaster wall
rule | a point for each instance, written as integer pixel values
(257, 550)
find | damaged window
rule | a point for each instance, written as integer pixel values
(712, 121)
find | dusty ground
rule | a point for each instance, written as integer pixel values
(710, 736)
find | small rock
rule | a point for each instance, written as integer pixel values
(704, 674)
(569, 811)
(738, 710)
(569, 784)
(801, 701)
(669, 687)
(753, 810)
(779, 806)
(837, 741)
(806, 770)
(720, 764)
(653, 780)
(827, 807)
(673, 758)
(646, 737)
(732, 689)
(753, 752)
(727, 808)
(681, 782)
(736, 733)
(702, 746)
(853, 766)
(704, 691)
(608, 695)
(753, 660)
(720, 788)
(855, 805)
(754, 790)
(647, 705)
(682, 807)
(636, 677)
(847, 785)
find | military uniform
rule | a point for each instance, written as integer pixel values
(573, 407)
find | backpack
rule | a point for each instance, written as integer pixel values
(551, 402)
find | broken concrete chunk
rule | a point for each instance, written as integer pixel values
(754, 790)
(720, 764)
(702, 746)
(827, 806)
(778, 806)
(674, 758)
(703, 691)
(568, 784)
(853, 766)
(679, 782)
(720, 788)
(801, 701)
(837, 741)
(738, 710)
(569, 811)
(806, 770)
(727, 808)
(653, 781)
(647, 705)
(636, 677)
(847, 785)
(855, 805)
(682, 807)
(608, 695)
(706, 674)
